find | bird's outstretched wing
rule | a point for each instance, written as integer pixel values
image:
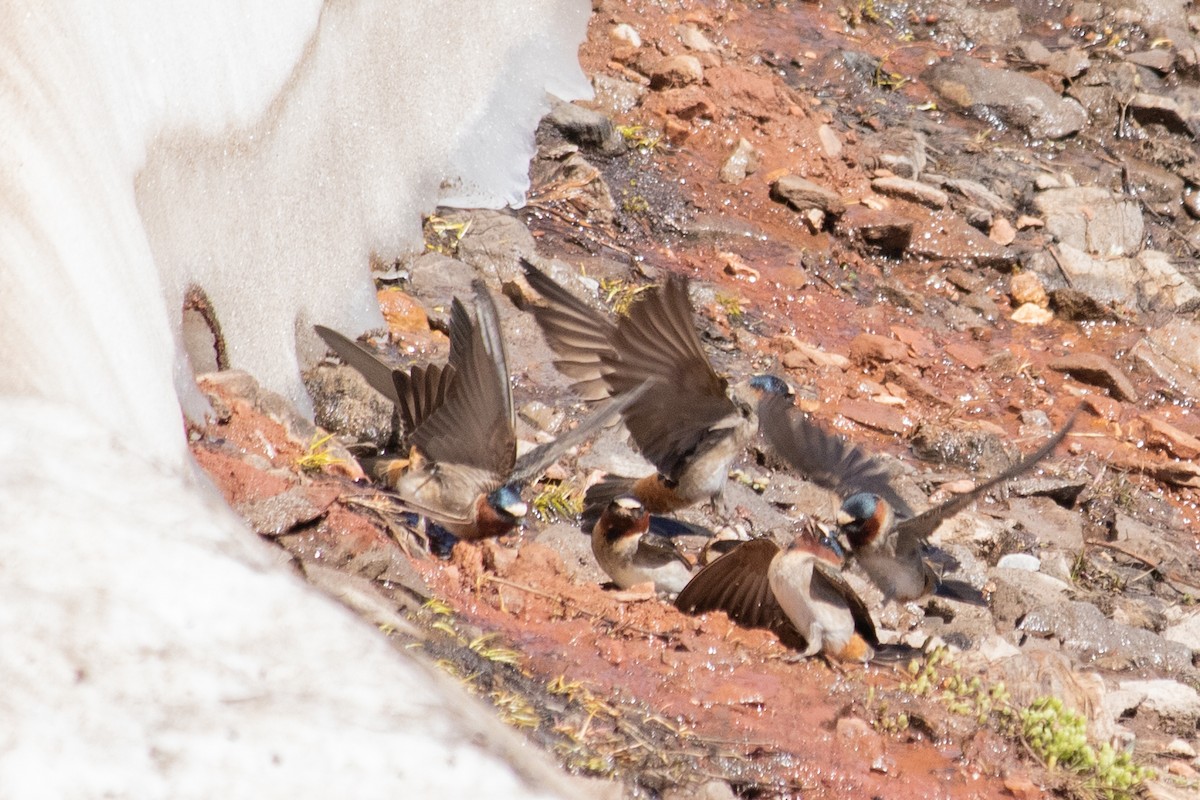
(824, 458)
(737, 584)
(911, 533)
(472, 427)
(417, 393)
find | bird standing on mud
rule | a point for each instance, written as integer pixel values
(688, 423)
(798, 591)
(462, 470)
(881, 531)
(630, 554)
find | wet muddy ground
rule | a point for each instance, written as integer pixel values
(622, 686)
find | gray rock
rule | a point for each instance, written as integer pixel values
(587, 128)
(978, 23)
(675, 72)
(1021, 561)
(575, 547)
(493, 244)
(1082, 630)
(1160, 59)
(1011, 97)
(1052, 525)
(1172, 352)
(802, 195)
(883, 231)
(911, 190)
(1178, 113)
(741, 162)
(1176, 704)
(1018, 591)
(343, 401)
(1068, 63)
(1099, 371)
(1093, 220)
(1159, 189)
(1186, 631)
(694, 39)
(436, 279)
(1163, 286)
(615, 96)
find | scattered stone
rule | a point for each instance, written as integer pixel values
(867, 347)
(830, 143)
(1170, 112)
(802, 354)
(1083, 630)
(742, 161)
(883, 231)
(972, 449)
(1160, 190)
(1032, 314)
(968, 354)
(1012, 97)
(587, 128)
(493, 245)
(1048, 522)
(1159, 59)
(1175, 703)
(801, 194)
(616, 96)
(1068, 63)
(911, 190)
(1162, 285)
(543, 417)
(1064, 491)
(1073, 304)
(1027, 287)
(279, 514)
(1002, 232)
(1099, 371)
(1173, 354)
(343, 401)
(1021, 561)
(910, 380)
(675, 72)
(947, 237)
(1180, 748)
(1093, 220)
(874, 415)
(1160, 433)
(1186, 631)
(624, 32)
(1025, 221)
(694, 39)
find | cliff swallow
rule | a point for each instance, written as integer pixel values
(630, 554)
(690, 423)
(881, 531)
(462, 471)
(798, 592)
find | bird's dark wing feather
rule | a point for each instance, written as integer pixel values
(421, 391)
(658, 342)
(488, 319)
(737, 584)
(472, 427)
(824, 458)
(658, 551)
(536, 460)
(377, 373)
(827, 578)
(912, 532)
(576, 332)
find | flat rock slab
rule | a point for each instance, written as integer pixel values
(1012, 97)
(1092, 219)
(1099, 371)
